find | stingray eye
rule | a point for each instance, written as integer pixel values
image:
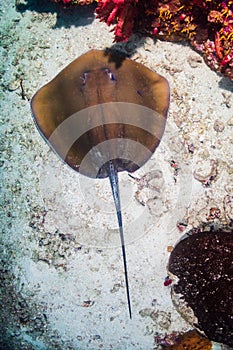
(84, 78)
(110, 74)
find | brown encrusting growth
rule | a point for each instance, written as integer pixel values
(203, 264)
(191, 340)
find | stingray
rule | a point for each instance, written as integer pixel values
(103, 114)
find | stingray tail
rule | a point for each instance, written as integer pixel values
(113, 177)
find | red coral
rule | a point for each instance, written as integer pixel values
(121, 12)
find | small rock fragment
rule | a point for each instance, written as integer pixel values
(116, 287)
(194, 61)
(145, 312)
(207, 178)
(219, 125)
(169, 248)
(230, 122)
(88, 303)
(14, 85)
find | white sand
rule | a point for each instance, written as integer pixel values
(42, 198)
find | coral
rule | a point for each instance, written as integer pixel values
(75, 2)
(191, 340)
(206, 24)
(125, 14)
(121, 11)
(201, 263)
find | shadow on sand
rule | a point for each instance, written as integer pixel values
(66, 16)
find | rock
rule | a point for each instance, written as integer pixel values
(203, 264)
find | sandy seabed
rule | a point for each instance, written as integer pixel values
(62, 280)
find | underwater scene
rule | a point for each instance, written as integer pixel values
(116, 175)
